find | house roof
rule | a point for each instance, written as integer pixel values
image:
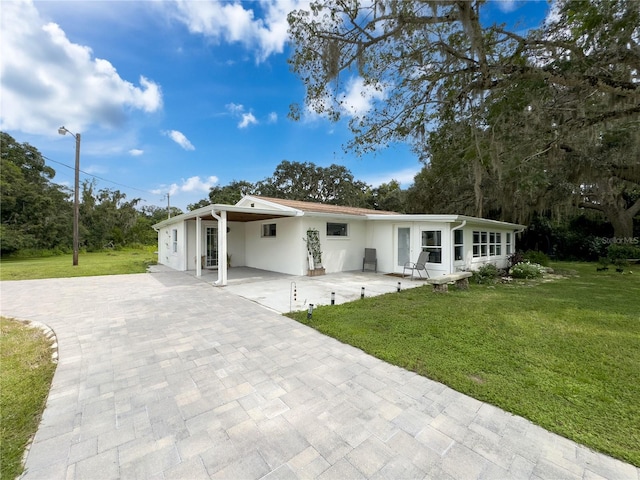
(268, 208)
(315, 207)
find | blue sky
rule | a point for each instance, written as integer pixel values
(175, 96)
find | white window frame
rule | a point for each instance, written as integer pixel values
(174, 240)
(509, 245)
(343, 225)
(435, 248)
(458, 246)
(267, 232)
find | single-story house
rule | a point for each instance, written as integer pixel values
(271, 234)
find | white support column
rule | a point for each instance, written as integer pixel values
(222, 247)
(198, 247)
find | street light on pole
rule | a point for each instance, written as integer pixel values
(76, 194)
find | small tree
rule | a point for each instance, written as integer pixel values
(313, 247)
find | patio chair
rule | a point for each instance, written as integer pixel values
(370, 259)
(420, 265)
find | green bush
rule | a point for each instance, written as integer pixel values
(486, 274)
(515, 258)
(622, 252)
(535, 256)
(527, 270)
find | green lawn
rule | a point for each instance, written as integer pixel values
(564, 354)
(111, 262)
(27, 371)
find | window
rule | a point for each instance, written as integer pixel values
(509, 244)
(337, 230)
(481, 243)
(458, 245)
(269, 230)
(432, 243)
(476, 244)
(174, 240)
(498, 244)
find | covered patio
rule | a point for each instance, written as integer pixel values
(284, 293)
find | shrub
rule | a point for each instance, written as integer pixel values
(622, 252)
(515, 258)
(535, 256)
(486, 274)
(527, 270)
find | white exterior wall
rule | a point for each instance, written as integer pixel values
(433, 268)
(284, 253)
(500, 261)
(236, 244)
(166, 255)
(380, 235)
(339, 254)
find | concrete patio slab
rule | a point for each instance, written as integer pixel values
(285, 293)
(163, 376)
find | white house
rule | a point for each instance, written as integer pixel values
(269, 234)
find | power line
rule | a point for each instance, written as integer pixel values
(96, 176)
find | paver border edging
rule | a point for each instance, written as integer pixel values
(49, 334)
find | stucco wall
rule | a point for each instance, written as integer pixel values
(283, 253)
(166, 255)
(339, 254)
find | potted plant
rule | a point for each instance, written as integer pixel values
(314, 253)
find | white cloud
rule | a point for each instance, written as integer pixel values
(405, 176)
(508, 5)
(136, 152)
(180, 139)
(358, 98)
(232, 22)
(48, 81)
(247, 119)
(95, 170)
(190, 185)
(272, 118)
(196, 184)
(235, 108)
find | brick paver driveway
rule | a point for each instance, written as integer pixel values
(164, 376)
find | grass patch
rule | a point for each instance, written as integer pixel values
(25, 379)
(109, 262)
(564, 354)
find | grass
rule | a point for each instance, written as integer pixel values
(27, 371)
(110, 262)
(564, 354)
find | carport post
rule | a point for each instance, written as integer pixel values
(222, 247)
(198, 246)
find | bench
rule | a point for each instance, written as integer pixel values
(441, 283)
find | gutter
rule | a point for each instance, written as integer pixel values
(453, 250)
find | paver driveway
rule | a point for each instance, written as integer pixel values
(164, 376)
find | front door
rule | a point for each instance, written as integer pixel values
(403, 247)
(211, 247)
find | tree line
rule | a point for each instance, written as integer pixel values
(36, 214)
(540, 128)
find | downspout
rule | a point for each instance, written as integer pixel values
(222, 247)
(452, 252)
(198, 246)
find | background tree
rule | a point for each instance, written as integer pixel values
(107, 218)
(334, 184)
(535, 109)
(389, 197)
(35, 212)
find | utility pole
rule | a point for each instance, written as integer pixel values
(76, 196)
(168, 205)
